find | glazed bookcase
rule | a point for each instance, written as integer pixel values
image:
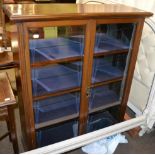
(75, 67)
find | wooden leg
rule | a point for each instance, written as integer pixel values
(8, 127)
(4, 117)
(12, 127)
(135, 131)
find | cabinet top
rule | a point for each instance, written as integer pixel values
(33, 12)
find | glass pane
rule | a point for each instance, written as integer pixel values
(100, 120)
(113, 44)
(53, 134)
(113, 37)
(105, 95)
(56, 77)
(54, 43)
(108, 67)
(56, 107)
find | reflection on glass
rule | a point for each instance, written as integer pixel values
(113, 37)
(108, 67)
(104, 95)
(50, 43)
(56, 107)
(56, 77)
(100, 121)
(57, 133)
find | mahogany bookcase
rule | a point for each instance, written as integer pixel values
(76, 64)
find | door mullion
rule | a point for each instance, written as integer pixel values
(87, 74)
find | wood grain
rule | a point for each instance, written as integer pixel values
(6, 94)
(27, 16)
(33, 12)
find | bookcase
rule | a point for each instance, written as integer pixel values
(76, 65)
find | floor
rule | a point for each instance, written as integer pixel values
(5, 144)
(137, 145)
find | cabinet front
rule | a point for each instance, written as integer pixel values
(111, 55)
(56, 58)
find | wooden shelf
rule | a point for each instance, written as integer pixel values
(56, 61)
(41, 97)
(73, 116)
(55, 121)
(111, 52)
(73, 59)
(97, 84)
(104, 107)
(35, 98)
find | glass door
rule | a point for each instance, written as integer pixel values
(113, 44)
(56, 56)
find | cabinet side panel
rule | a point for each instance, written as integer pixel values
(26, 110)
(132, 62)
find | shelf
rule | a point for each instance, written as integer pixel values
(35, 98)
(56, 121)
(56, 107)
(71, 117)
(51, 51)
(54, 49)
(41, 97)
(55, 134)
(97, 84)
(108, 67)
(101, 108)
(100, 121)
(53, 79)
(122, 51)
(104, 75)
(105, 43)
(105, 96)
(59, 61)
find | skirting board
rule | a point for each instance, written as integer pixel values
(85, 139)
